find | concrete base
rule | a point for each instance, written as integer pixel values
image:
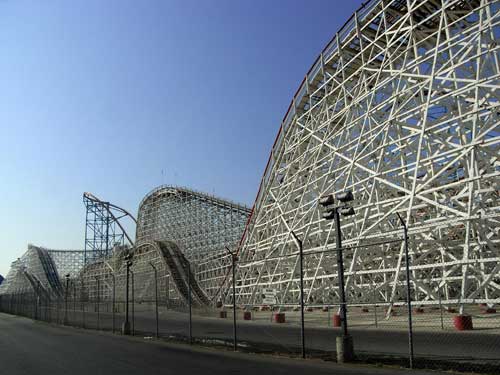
(126, 328)
(345, 349)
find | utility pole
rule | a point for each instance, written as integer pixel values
(408, 289)
(345, 348)
(126, 324)
(156, 297)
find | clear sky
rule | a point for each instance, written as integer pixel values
(103, 96)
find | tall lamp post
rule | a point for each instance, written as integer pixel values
(408, 288)
(156, 297)
(345, 350)
(126, 324)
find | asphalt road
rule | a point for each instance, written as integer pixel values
(28, 347)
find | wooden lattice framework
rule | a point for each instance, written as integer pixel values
(402, 107)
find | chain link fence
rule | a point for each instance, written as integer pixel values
(442, 338)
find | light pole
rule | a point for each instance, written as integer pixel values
(156, 296)
(408, 289)
(126, 324)
(233, 263)
(301, 264)
(345, 350)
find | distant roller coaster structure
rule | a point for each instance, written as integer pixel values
(178, 230)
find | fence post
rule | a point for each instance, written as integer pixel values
(57, 309)
(408, 289)
(113, 302)
(36, 298)
(167, 285)
(440, 308)
(189, 303)
(233, 265)
(133, 303)
(43, 308)
(83, 303)
(49, 309)
(65, 322)
(97, 303)
(235, 337)
(74, 300)
(301, 270)
(375, 307)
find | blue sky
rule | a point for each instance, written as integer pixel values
(117, 97)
